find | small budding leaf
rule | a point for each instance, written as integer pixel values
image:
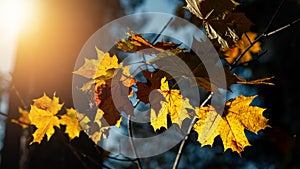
(43, 115)
(238, 116)
(72, 124)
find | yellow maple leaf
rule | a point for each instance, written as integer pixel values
(99, 69)
(159, 120)
(23, 120)
(72, 124)
(43, 115)
(240, 46)
(88, 69)
(106, 66)
(238, 116)
(175, 105)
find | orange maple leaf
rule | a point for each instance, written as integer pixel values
(240, 46)
(23, 120)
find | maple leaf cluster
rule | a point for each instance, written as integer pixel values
(111, 83)
(166, 100)
(45, 115)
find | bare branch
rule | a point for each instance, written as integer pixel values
(3, 114)
(131, 142)
(188, 134)
(162, 30)
(18, 93)
(282, 28)
(274, 16)
(263, 35)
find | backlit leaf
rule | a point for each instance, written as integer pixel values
(72, 124)
(98, 70)
(42, 115)
(238, 115)
(175, 105)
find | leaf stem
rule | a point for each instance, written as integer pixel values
(129, 128)
(179, 153)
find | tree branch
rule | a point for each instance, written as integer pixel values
(3, 114)
(188, 133)
(282, 28)
(263, 35)
(274, 16)
(131, 142)
(162, 30)
(13, 87)
(79, 155)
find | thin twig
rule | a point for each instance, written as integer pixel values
(24, 105)
(77, 155)
(282, 28)
(263, 35)
(3, 114)
(250, 61)
(274, 16)
(188, 133)
(237, 59)
(162, 30)
(131, 142)
(259, 37)
(80, 155)
(119, 159)
(14, 120)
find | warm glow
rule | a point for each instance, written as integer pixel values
(15, 14)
